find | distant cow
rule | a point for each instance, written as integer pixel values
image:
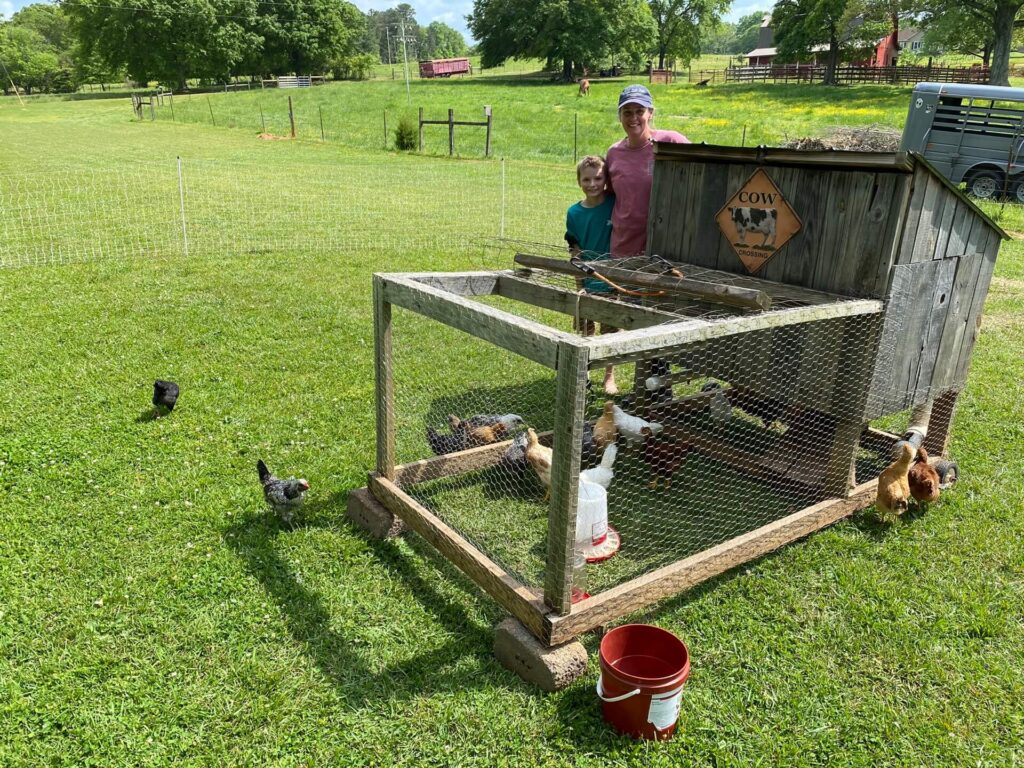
(584, 87)
(761, 220)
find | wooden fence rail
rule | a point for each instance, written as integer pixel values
(813, 73)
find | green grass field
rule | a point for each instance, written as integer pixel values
(151, 612)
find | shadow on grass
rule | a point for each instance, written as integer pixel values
(348, 667)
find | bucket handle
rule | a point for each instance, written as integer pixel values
(613, 699)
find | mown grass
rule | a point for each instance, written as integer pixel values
(153, 614)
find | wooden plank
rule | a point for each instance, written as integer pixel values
(384, 380)
(457, 463)
(526, 338)
(865, 250)
(832, 158)
(459, 283)
(945, 225)
(991, 250)
(940, 299)
(912, 219)
(889, 243)
(947, 358)
(943, 407)
(723, 257)
(570, 406)
(665, 582)
(927, 237)
(617, 313)
(667, 338)
(510, 594)
(716, 293)
(794, 265)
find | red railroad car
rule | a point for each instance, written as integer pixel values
(445, 67)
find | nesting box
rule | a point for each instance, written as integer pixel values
(788, 301)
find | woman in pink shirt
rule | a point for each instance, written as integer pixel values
(629, 170)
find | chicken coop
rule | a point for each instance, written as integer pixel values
(794, 314)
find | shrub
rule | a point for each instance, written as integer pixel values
(406, 134)
(356, 67)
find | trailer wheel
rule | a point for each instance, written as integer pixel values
(1017, 193)
(985, 184)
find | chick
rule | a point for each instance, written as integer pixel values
(605, 431)
(539, 457)
(664, 458)
(285, 497)
(923, 478)
(602, 474)
(485, 435)
(165, 395)
(893, 485)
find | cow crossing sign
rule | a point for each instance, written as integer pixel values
(757, 221)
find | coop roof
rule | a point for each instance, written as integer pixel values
(894, 162)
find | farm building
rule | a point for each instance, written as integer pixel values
(787, 301)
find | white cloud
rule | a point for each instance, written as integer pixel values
(6, 9)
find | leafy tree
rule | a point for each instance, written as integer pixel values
(52, 24)
(30, 62)
(748, 28)
(679, 25)
(439, 41)
(305, 36)
(966, 23)
(800, 25)
(565, 31)
(717, 37)
(386, 27)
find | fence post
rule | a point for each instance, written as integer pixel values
(487, 141)
(181, 203)
(212, 120)
(421, 129)
(321, 111)
(575, 134)
(501, 227)
(263, 121)
(451, 132)
(385, 129)
(291, 115)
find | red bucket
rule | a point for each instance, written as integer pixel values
(643, 669)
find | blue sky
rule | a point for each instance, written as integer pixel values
(451, 12)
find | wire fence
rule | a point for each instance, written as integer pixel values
(386, 205)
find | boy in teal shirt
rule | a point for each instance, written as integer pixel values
(588, 231)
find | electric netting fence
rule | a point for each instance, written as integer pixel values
(388, 207)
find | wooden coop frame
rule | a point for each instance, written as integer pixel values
(912, 219)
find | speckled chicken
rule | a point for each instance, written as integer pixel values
(539, 457)
(284, 497)
(893, 495)
(923, 478)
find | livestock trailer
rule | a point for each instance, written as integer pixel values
(445, 67)
(792, 311)
(970, 133)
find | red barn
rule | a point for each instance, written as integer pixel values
(445, 67)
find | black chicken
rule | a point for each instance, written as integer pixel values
(165, 395)
(285, 497)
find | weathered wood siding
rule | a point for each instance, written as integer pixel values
(935, 298)
(895, 231)
(847, 242)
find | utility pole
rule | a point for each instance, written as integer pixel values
(405, 55)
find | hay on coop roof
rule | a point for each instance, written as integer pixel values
(871, 138)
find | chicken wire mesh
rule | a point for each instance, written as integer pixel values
(702, 443)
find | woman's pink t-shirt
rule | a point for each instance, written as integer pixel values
(630, 173)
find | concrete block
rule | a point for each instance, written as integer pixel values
(372, 516)
(549, 668)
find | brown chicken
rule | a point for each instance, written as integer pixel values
(893, 485)
(923, 478)
(664, 457)
(605, 431)
(539, 457)
(475, 431)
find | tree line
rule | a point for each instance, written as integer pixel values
(577, 35)
(57, 48)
